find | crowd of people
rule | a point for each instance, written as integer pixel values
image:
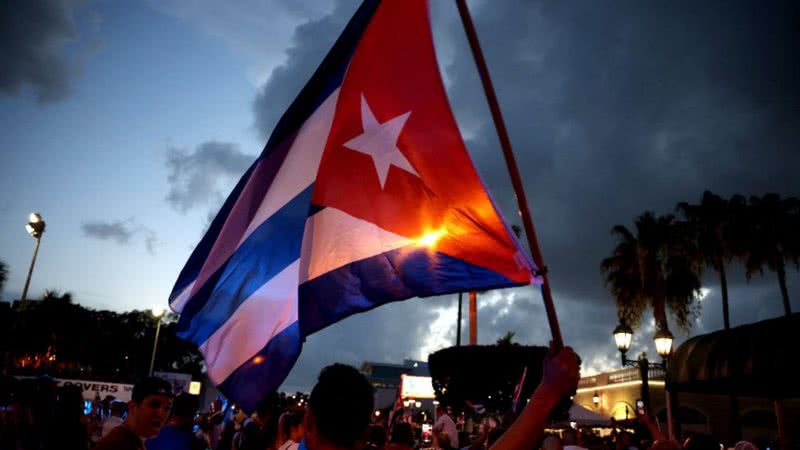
(338, 416)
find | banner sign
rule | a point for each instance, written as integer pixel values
(416, 387)
(181, 382)
(91, 389)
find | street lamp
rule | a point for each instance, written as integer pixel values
(623, 335)
(158, 311)
(663, 339)
(35, 228)
(596, 400)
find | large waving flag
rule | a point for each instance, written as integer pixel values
(363, 195)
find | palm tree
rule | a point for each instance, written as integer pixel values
(507, 339)
(3, 275)
(709, 224)
(769, 237)
(654, 267)
(53, 295)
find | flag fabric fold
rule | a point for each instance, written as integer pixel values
(363, 195)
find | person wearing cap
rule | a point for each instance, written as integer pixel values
(148, 409)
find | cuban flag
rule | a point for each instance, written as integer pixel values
(363, 195)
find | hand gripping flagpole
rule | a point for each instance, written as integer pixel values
(511, 162)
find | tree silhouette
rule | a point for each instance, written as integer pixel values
(3, 275)
(709, 222)
(655, 266)
(769, 237)
(90, 344)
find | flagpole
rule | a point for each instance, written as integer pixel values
(511, 162)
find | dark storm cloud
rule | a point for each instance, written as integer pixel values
(120, 232)
(310, 44)
(612, 111)
(205, 175)
(32, 38)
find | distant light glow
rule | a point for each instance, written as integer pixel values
(258, 359)
(619, 385)
(194, 387)
(702, 293)
(416, 387)
(430, 239)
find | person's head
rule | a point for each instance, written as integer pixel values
(668, 444)
(745, 445)
(376, 436)
(185, 407)
(216, 406)
(149, 407)
(441, 410)
(552, 442)
(340, 409)
(700, 442)
(117, 408)
(70, 402)
(402, 434)
(292, 425)
(570, 436)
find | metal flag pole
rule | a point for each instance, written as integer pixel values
(511, 162)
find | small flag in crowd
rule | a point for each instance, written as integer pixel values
(518, 390)
(363, 195)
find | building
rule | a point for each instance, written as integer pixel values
(614, 394)
(386, 378)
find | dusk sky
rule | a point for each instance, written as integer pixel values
(126, 124)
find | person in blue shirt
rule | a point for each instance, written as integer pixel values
(178, 433)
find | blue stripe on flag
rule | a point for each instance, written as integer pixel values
(266, 173)
(395, 275)
(264, 372)
(200, 253)
(266, 252)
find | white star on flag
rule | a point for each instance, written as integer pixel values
(379, 141)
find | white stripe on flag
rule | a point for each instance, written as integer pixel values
(298, 171)
(300, 167)
(266, 313)
(333, 238)
(181, 299)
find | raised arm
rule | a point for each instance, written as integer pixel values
(560, 373)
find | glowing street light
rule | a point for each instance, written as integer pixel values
(158, 312)
(623, 335)
(663, 340)
(35, 228)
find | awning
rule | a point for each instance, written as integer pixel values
(758, 360)
(585, 417)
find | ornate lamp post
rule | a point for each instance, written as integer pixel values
(623, 335)
(35, 228)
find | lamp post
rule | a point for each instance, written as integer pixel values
(623, 335)
(35, 228)
(157, 312)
